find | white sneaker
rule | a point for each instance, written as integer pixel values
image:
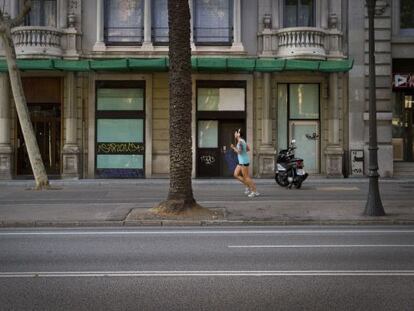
(247, 191)
(253, 194)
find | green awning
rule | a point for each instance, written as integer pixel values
(270, 64)
(208, 64)
(336, 65)
(211, 64)
(71, 65)
(241, 64)
(148, 64)
(29, 64)
(302, 65)
(110, 64)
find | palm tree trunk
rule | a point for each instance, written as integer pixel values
(32, 147)
(180, 196)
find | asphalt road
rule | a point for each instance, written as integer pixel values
(272, 268)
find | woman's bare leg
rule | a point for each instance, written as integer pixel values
(248, 181)
(238, 174)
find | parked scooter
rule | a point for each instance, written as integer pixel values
(289, 170)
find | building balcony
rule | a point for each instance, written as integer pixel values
(45, 42)
(301, 43)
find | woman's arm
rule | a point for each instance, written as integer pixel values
(236, 150)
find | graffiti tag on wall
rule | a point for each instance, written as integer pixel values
(208, 159)
(111, 148)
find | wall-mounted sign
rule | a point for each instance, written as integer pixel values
(403, 81)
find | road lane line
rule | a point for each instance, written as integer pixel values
(201, 232)
(62, 274)
(321, 246)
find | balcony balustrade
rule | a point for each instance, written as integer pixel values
(301, 43)
(37, 42)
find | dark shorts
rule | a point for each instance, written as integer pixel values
(245, 164)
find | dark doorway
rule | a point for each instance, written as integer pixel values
(403, 127)
(215, 158)
(46, 123)
(44, 98)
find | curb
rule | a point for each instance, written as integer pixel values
(200, 223)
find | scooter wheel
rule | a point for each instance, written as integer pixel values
(281, 181)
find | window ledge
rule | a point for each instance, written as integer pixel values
(236, 48)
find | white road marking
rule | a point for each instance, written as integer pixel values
(61, 274)
(320, 246)
(199, 232)
(337, 189)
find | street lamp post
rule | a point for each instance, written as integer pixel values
(373, 206)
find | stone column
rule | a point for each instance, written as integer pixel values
(237, 42)
(100, 43)
(266, 150)
(70, 152)
(334, 151)
(147, 44)
(5, 122)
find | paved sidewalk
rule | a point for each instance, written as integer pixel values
(126, 203)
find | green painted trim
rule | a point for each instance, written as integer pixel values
(336, 65)
(302, 65)
(72, 65)
(148, 64)
(207, 64)
(241, 64)
(270, 64)
(109, 64)
(211, 63)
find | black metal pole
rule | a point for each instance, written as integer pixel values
(373, 206)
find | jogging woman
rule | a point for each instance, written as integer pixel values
(242, 169)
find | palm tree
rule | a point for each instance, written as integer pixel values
(180, 197)
(6, 24)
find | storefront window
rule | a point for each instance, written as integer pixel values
(208, 134)
(120, 131)
(120, 161)
(221, 99)
(42, 13)
(213, 21)
(120, 99)
(299, 13)
(160, 21)
(124, 21)
(304, 101)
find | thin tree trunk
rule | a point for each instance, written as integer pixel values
(32, 147)
(180, 195)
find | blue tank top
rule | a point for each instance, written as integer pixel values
(243, 157)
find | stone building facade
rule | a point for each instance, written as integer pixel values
(97, 86)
